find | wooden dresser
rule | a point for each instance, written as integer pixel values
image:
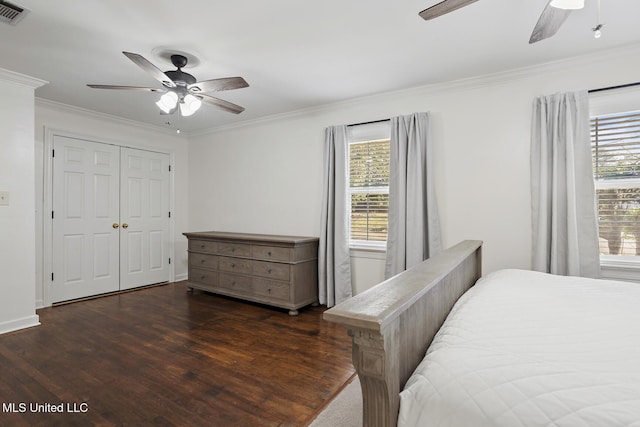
(281, 271)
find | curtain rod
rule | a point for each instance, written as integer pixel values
(369, 123)
(602, 89)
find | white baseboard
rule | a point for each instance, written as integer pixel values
(17, 324)
(180, 277)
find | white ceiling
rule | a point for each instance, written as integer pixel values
(294, 54)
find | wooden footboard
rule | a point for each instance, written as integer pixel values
(393, 323)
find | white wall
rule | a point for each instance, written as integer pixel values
(17, 229)
(102, 128)
(265, 176)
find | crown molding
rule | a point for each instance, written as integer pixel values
(470, 83)
(21, 79)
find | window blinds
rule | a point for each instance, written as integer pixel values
(615, 142)
(369, 189)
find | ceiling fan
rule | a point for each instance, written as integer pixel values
(182, 90)
(550, 21)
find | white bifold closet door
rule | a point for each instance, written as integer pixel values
(110, 218)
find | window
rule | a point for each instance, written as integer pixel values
(615, 142)
(368, 189)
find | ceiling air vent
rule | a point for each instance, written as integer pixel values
(10, 13)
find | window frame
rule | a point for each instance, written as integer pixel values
(617, 267)
(361, 134)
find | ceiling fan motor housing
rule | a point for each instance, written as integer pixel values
(178, 76)
(181, 78)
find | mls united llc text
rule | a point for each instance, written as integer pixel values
(40, 408)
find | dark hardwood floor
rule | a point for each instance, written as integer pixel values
(164, 357)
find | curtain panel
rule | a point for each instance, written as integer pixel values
(414, 226)
(565, 229)
(334, 262)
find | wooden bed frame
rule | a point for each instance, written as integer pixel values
(393, 323)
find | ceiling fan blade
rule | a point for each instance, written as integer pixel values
(147, 66)
(218, 85)
(222, 104)
(549, 23)
(138, 88)
(444, 7)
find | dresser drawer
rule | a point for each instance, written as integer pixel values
(270, 289)
(203, 246)
(270, 270)
(236, 283)
(203, 276)
(234, 249)
(203, 260)
(271, 253)
(234, 265)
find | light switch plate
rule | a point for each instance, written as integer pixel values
(4, 198)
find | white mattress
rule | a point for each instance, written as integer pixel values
(530, 349)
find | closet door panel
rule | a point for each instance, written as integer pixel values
(85, 184)
(144, 210)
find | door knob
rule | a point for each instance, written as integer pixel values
(115, 225)
(125, 225)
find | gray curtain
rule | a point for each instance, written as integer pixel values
(565, 229)
(414, 227)
(334, 263)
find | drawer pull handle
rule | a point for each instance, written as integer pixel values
(233, 249)
(233, 283)
(269, 290)
(269, 253)
(203, 277)
(202, 260)
(269, 271)
(233, 265)
(202, 246)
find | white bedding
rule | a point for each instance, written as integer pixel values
(530, 349)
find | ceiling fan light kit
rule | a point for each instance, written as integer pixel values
(167, 102)
(182, 89)
(189, 105)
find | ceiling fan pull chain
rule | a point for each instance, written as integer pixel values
(597, 30)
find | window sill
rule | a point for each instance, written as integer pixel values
(372, 247)
(368, 251)
(625, 268)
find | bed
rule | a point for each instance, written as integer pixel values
(511, 353)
